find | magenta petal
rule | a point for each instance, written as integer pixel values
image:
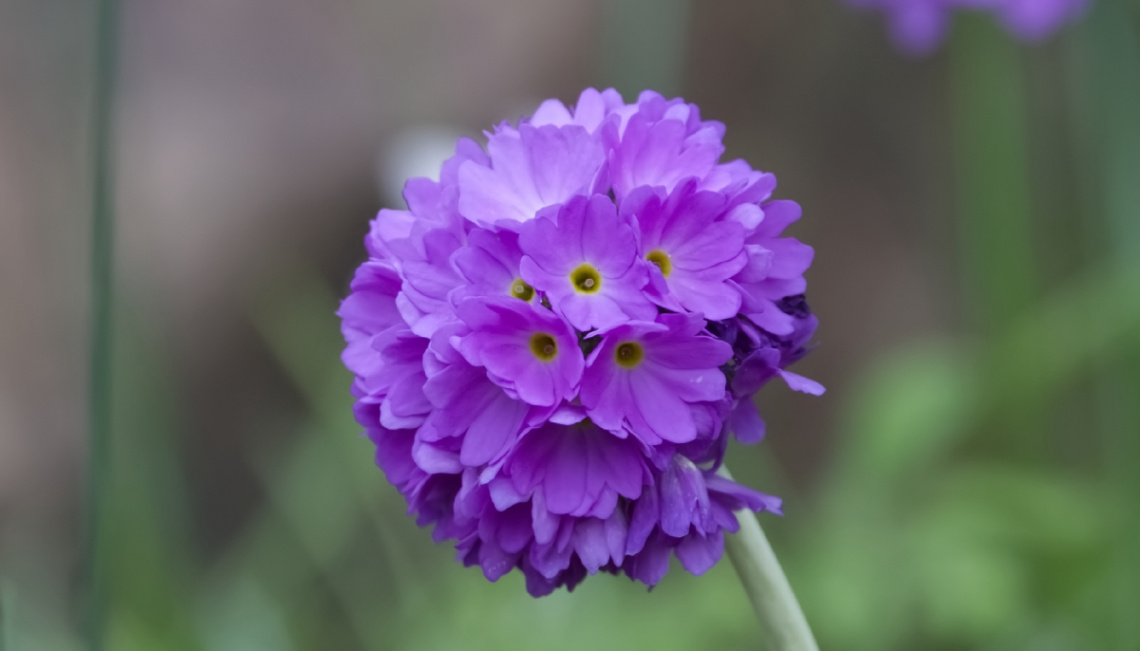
(736, 496)
(591, 544)
(803, 384)
(919, 27)
(777, 216)
(699, 553)
(666, 415)
(434, 459)
(500, 339)
(607, 242)
(503, 494)
(622, 465)
(642, 522)
(546, 524)
(565, 484)
(531, 168)
(683, 497)
(790, 258)
(514, 529)
(745, 422)
(616, 532)
(495, 561)
(492, 430)
(652, 563)
(551, 112)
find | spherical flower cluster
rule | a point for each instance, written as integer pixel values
(919, 26)
(552, 344)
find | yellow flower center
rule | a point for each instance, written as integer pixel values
(586, 279)
(662, 260)
(543, 346)
(519, 289)
(629, 354)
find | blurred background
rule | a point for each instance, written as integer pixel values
(971, 479)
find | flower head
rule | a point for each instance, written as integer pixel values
(552, 345)
(919, 26)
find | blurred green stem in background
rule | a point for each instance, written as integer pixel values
(1104, 74)
(998, 234)
(996, 229)
(7, 616)
(773, 601)
(643, 46)
(102, 275)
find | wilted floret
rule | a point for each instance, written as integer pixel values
(553, 343)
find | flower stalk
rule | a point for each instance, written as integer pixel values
(768, 589)
(102, 284)
(7, 616)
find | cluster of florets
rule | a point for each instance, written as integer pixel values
(919, 26)
(552, 344)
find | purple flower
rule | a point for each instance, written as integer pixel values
(528, 351)
(552, 345)
(369, 310)
(759, 356)
(644, 376)
(661, 144)
(577, 470)
(428, 278)
(919, 26)
(469, 407)
(1037, 19)
(490, 265)
(530, 168)
(586, 264)
(694, 250)
(775, 265)
(686, 512)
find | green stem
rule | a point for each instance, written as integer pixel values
(102, 275)
(994, 205)
(643, 45)
(7, 616)
(772, 598)
(1105, 76)
(993, 184)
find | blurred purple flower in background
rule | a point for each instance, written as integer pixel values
(553, 343)
(919, 26)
